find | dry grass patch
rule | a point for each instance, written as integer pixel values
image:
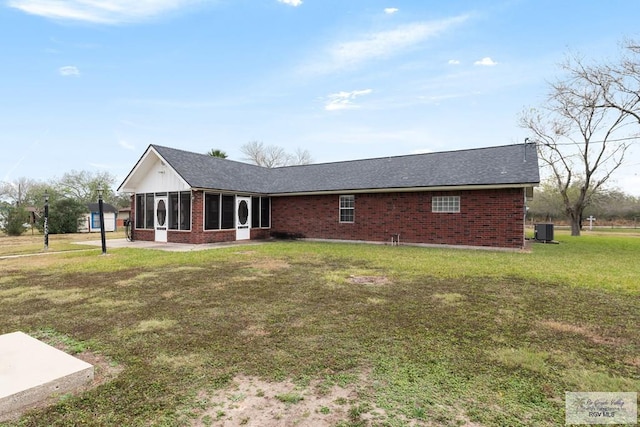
(368, 280)
(155, 325)
(139, 278)
(108, 303)
(525, 358)
(55, 296)
(633, 361)
(255, 331)
(270, 264)
(10, 278)
(449, 298)
(376, 301)
(188, 361)
(187, 268)
(581, 330)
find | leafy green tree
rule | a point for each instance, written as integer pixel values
(12, 219)
(64, 214)
(84, 185)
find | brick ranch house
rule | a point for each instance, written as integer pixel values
(472, 197)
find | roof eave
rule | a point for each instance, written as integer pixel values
(410, 189)
(223, 190)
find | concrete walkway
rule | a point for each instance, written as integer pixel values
(173, 247)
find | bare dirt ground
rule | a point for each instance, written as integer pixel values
(250, 401)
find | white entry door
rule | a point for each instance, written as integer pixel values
(243, 218)
(161, 219)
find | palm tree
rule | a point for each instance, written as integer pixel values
(214, 152)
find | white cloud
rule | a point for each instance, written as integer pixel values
(486, 61)
(99, 11)
(390, 10)
(344, 100)
(379, 45)
(422, 151)
(453, 62)
(126, 144)
(69, 70)
(294, 3)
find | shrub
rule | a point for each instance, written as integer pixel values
(12, 220)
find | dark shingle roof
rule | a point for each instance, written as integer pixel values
(106, 207)
(205, 171)
(502, 165)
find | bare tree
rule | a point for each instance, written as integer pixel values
(16, 191)
(580, 136)
(301, 157)
(619, 82)
(273, 156)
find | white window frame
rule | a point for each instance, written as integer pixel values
(445, 204)
(347, 203)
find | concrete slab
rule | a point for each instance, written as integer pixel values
(32, 372)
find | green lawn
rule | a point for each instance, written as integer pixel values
(419, 336)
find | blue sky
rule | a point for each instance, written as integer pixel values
(89, 84)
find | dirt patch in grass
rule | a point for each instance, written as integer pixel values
(251, 401)
(104, 370)
(368, 280)
(581, 330)
(633, 361)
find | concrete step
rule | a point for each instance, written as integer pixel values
(31, 372)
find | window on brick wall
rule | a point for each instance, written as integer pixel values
(347, 208)
(441, 204)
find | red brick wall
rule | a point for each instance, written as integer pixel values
(486, 218)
